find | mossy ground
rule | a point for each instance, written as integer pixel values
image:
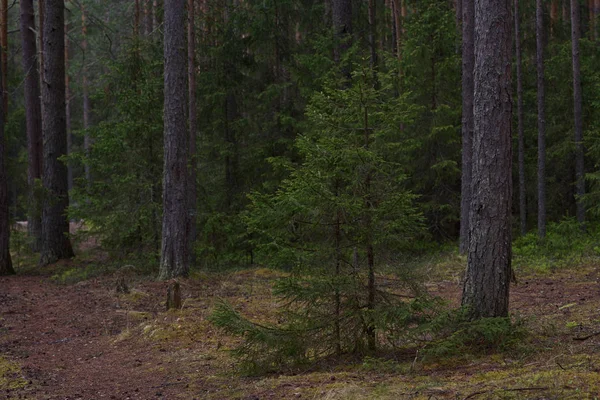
(181, 355)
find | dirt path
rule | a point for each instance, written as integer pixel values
(64, 338)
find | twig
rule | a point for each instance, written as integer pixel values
(588, 336)
(523, 389)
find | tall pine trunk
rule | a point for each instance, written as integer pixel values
(55, 224)
(175, 230)
(341, 14)
(468, 62)
(521, 128)
(6, 267)
(193, 125)
(68, 108)
(541, 97)
(487, 282)
(4, 57)
(577, 113)
(86, 95)
(33, 113)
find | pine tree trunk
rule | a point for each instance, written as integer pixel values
(193, 126)
(136, 18)
(68, 109)
(541, 97)
(33, 119)
(592, 17)
(553, 16)
(577, 112)
(147, 17)
(341, 14)
(86, 95)
(6, 267)
(487, 281)
(468, 62)
(521, 128)
(175, 231)
(4, 43)
(55, 224)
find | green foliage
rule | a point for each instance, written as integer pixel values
(122, 203)
(343, 208)
(565, 245)
(457, 336)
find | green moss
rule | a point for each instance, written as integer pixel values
(10, 375)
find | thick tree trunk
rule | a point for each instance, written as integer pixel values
(521, 128)
(6, 267)
(175, 231)
(193, 125)
(486, 287)
(577, 112)
(33, 119)
(86, 95)
(539, 32)
(55, 224)
(468, 62)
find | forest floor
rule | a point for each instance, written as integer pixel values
(66, 333)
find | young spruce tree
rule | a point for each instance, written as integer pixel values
(331, 220)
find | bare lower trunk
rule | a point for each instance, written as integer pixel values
(55, 224)
(541, 121)
(34, 122)
(6, 267)
(487, 281)
(468, 62)
(577, 112)
(175, 230)
(520, 116)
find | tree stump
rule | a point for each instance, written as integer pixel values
(174, 296)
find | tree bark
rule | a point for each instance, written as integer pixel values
(541, 97)
(4, 43)
(486, 288)
(175, 231)
(468, 62)
(68, 108)
(55, 224)
(553, 16)
(521, 128)
(577, 113)
(6, 267)
(33, 119)
(341, 14)
(86, 95)
(193, 125)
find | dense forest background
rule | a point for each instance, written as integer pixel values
(260, 68)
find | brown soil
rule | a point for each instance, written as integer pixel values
(85, 341)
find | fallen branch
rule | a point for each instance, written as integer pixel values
(588, 336)
(506, 390)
